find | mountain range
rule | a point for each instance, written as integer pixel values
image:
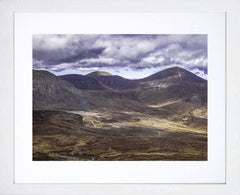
(103, 90)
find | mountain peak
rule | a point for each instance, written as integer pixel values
(174, 72)
(99, 73)
(175, 69)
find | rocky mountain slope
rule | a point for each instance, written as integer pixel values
(83, 82)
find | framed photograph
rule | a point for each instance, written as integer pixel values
(119, 98)
(119, 139)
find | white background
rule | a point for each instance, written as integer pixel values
(7, 185)
(28, 171)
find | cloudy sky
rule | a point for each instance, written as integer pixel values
(131, 56)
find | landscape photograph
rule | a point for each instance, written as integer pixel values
(119, 97)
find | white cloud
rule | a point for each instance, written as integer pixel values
(153, 60)
(99, 60)
(88, 69)
(199, 73)
(61, 66)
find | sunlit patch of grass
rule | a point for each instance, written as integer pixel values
(164, 124)
(163, 104)
(201, 113)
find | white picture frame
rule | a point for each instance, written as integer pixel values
(8, 185)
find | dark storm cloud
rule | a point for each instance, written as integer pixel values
(50, 60)
(60, 52)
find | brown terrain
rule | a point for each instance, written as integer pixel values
(105, 117)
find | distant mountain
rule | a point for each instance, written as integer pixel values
(113, 81)
(173, 84)
(83, 82)
(174, 73)
(52, 92)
